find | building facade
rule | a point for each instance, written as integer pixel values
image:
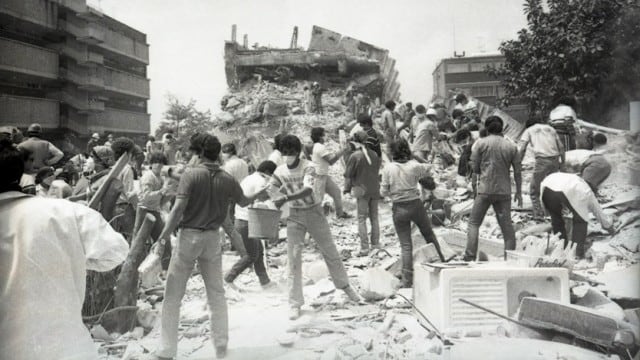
(72, 69)
(467, 75)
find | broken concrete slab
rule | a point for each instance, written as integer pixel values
(275, 108)
(578, 321)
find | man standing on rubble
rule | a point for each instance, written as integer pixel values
(388, 124)
(399, 182)
(202, 202)
(297, 177)
(426, 133)
(44, 152)
(491, 158)
(316, 94)
(362, 180)
(46, 246)
(548, 151)
(323, 158)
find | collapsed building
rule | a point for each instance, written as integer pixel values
(331, 59)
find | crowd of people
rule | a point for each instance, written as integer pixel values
(195, 191)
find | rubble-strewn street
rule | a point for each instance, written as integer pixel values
(316, 211)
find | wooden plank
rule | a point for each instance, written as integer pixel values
(113, 173)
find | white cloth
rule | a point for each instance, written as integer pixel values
(46, 246)
(579, 194)
(322, 165)
(237, 167)
(250, 185)
(562, 111)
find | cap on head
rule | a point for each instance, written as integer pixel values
(95, 136)
(34, 129)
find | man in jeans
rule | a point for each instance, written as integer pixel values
(255, 250)
(323, 158)
(297, 178)
(548, 150)
(361, 179)
(491, 158)
(400, 180)
(202, 201)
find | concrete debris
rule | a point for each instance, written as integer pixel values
(377, 284)
(621, 282)
(578, 321)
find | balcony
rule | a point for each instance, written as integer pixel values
(33, 61)
(124, 83)
(79, 100)
(79, 52)
(83, 31)
(122, 45)
(114, 120)
(90, 79)
(43, 13)
(23, 111)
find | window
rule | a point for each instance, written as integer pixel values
(480, 66)
(478, 91)
(457, 68)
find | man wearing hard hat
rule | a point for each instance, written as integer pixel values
(44, 152)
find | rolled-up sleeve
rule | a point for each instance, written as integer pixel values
(104, 247)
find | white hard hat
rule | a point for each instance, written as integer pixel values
(95, 136)
(432, 111)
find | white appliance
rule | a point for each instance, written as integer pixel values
(496, 286)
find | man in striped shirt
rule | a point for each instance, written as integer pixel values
(297, 178)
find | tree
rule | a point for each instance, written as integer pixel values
(586, 48)
(184, 119)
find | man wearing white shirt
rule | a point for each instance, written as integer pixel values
(323, 158)
(569, 191)
(251, 185)
(46, 247)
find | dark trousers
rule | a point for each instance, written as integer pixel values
(405, 213)
(255, 252)
(502, 207)
(554, 202)
(156, 230)
(542, 168)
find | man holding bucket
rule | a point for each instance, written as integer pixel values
(251, 184)
(198, 212)
(297, 178)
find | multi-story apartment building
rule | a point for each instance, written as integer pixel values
(72, 69)
(467, 75)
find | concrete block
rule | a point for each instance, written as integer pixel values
(377, 284)
(579, 321)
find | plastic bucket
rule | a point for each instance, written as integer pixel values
(263, 223)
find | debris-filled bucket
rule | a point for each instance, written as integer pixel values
(263, 223)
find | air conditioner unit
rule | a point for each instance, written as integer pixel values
(437, 289)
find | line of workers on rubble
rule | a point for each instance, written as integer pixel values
(48, 241)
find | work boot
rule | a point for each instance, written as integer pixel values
(294, 312)
(363, 252)
(351, 293)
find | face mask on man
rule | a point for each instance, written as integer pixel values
(290, 159)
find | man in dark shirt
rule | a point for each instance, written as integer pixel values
(198, 212)
(491, 158)
(362, 180)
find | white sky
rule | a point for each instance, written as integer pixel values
(187, 37)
